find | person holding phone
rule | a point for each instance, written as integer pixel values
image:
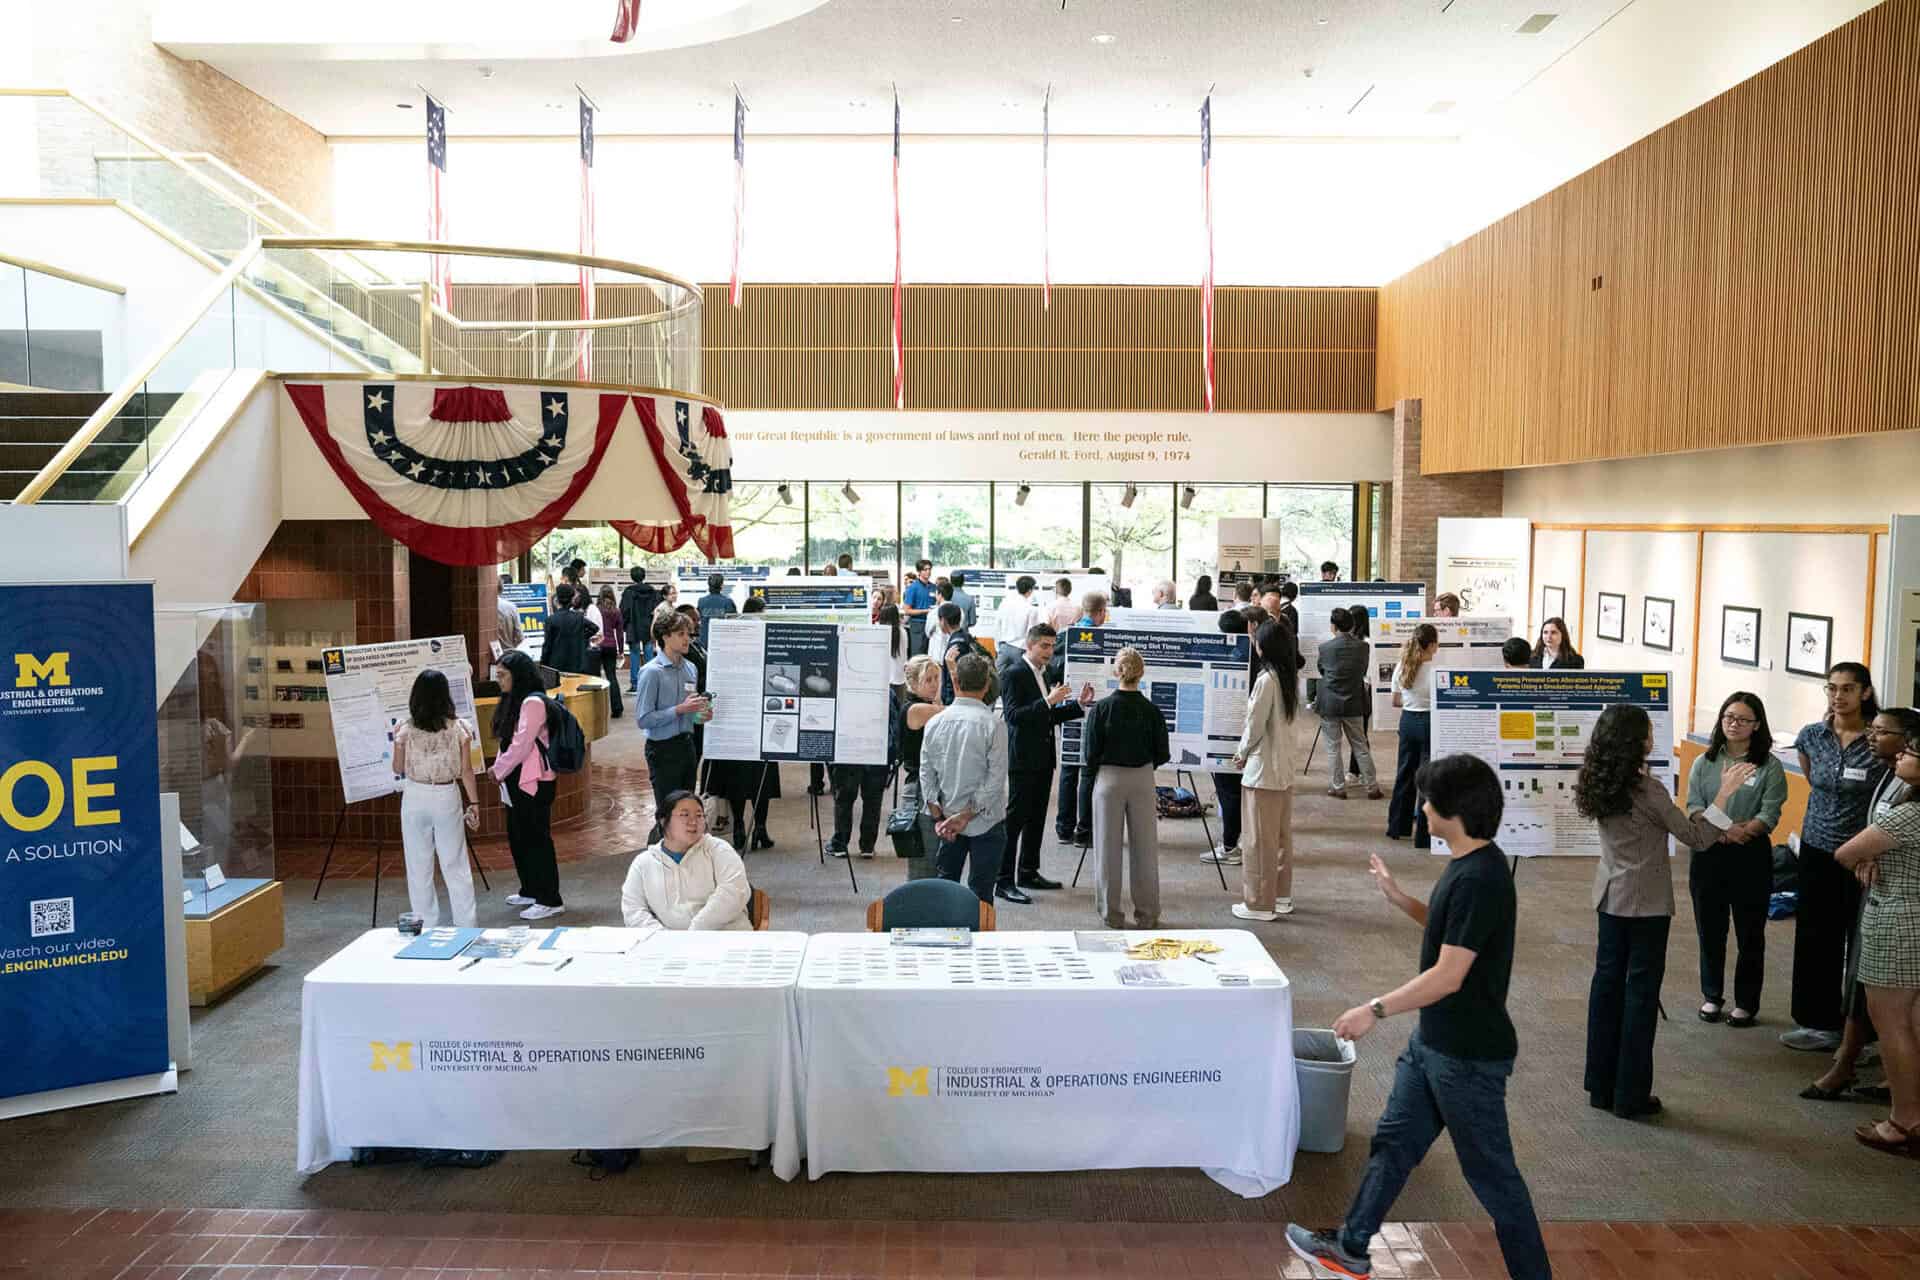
(668, 707)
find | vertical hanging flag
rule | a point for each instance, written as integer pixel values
(739, 194)
(1046, 213)
(899, 362)
(583, 342)
(626, 20)
(1206, 283)
(440, 267)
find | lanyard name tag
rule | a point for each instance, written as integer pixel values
(1853, 775)
(1885, 808)
(1754, 781)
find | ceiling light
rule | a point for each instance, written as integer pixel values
(486, 73)
(1535, 25)
(956, 18)
(1319, 22)
(1133, 491)
(1020, 495)
(848, 492)
(1187, 496)
(786, 494)
(1105, 38)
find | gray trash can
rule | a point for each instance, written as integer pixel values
(1323, 1064)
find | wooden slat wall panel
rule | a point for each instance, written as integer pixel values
(1761, 267)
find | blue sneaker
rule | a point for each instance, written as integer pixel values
(1324, 1250)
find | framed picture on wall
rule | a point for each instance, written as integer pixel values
(1740, 635)
(1656, 623)
(1553, 603)
(1611, 624)
(1809, 643)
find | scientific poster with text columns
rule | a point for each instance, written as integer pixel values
(1197, 680)
(812, 691)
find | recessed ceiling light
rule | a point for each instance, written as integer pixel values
(486, 73)
(1319, 22)
(956, 18)
(1535, 25)
(1105, 38)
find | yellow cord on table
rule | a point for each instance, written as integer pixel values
(1170, 948)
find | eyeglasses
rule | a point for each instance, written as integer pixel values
(1733, 721)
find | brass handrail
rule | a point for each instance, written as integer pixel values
(61, 273)
(441, 249)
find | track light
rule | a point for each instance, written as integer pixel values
(848, 492)
(1187, 496)
(786, 494)
(1133, 491)
(1020, 495)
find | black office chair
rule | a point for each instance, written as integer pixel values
(930, 904)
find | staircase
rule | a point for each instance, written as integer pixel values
(35, 424)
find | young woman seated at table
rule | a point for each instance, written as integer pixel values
(689, 880)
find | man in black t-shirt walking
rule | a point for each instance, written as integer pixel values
(1454, 1073)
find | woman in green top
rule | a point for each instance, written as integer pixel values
(1735, 876)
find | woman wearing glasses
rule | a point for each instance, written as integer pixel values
(1734, 876)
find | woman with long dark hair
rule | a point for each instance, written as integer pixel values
(889, 617)
(1265, 758)
(1633, 897)
(1203, 597)
(1413, 694)
(1734, 875)
(433, 752)
(527, 783)
(1555, 650)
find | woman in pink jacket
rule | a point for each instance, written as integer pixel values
(526, 785)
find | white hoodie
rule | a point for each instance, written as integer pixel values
(706, 890)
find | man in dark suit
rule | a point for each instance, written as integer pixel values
(1033, 704)
(1342, 702)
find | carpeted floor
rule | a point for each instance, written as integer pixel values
(1736, 1144)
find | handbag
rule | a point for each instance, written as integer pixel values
(903, 829)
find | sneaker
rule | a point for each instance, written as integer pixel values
(866, 853)
(1323, 1249)
(1246, 912)
(1808, 1040)
(1283, 906)
(1231, 857)
(538, 912)
(519, 900)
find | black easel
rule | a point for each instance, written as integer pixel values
(379, 845)
(1193, 785)
(820, 839)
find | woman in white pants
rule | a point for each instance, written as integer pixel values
(433, 751)
(1122, 743)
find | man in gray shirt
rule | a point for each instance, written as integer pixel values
(1342, 702)
(969, 608)
(963, 778)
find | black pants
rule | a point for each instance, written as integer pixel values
(869, 783)
(1029, 791)
(1732, 880)
(1405, 814)
(672, 765)
(1226, 788)
(1073, 807)
(738, 807)
(1829, 900)
(816, 779)
(530, 837)
(1623, 1007)
(607, 664)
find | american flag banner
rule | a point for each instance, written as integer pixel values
(626, 20)
(1206, 282)
(440, 267)
(583, 344)
(899, 361)
(1046, 213)
(739, 194)
(687, 495)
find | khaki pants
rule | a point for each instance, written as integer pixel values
(1125, 814)
(1266, 870)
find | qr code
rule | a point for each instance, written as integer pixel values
(52, 916)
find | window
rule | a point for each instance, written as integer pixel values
(765, 529)
(1133, 544)
(1042, 533)
(1316, 524)
(1199, 532)
(944, 523)
(867, 530)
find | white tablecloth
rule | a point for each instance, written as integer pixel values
(691, 1039)
(1026, 1054)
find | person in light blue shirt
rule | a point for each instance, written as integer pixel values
(667, 707)
(963, 780)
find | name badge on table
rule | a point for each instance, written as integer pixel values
(1853, 774)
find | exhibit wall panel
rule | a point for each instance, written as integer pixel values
(1638, 565)
(1556, 563)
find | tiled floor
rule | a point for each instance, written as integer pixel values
(208, 1244)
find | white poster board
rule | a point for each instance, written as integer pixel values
(786, 690)
(1248, 549)
(368, 686)
(836, 597)
(1464, 642)
(1385, 601)
(691, 579)
(1198, 680)
(1487, 562)
(990, 588)
(1532, 727)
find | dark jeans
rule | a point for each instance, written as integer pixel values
(606, 663)
(1405, 815)
(1623, 1007)
(1468, 1098)
(869, 783)
(1732, 880)
(979, 854)
(1028, 793)
(1073, 807)
(916, 635)
(672, 765)
(1829, 900)
(530, 838)
(1226, 788)
(638, 656)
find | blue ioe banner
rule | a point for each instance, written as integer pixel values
(82, 935)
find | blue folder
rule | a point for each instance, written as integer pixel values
(438, 944)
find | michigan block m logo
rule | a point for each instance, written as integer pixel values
(32, 671)
(906, 1082)
(398, 1056)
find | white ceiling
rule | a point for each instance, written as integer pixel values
(1315, 68)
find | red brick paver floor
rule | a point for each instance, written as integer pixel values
(228, 1244)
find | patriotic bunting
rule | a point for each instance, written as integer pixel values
(626, 20)
(687, 495)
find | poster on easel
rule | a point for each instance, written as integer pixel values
(828, 597)
(1385, 602)
(368, 686)
(1486, 561)
(807, 691)
(529, 601)
(1533, 728)
(1197, 680)
(1464, 642)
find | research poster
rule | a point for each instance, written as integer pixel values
(529, 600)
(82, 935)
(1532, 727)
(1464, 642)
(367, 690)
(1487, 562)
(784, 690)
(991, 588)
(735, 579)
(1198, 680)
(1248, 551)
(1385, 602)
(825, 596)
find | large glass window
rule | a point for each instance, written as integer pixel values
(766, 530)
(868, 530)
(1316, 524)
(1134, 544)
(1041, 533)
(944, 523)
(1199, 532)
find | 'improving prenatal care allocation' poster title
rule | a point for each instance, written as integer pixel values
(82, 934)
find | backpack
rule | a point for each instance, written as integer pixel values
(1176, 802)
(566, 749)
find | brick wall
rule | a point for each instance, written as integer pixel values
(1420, 500)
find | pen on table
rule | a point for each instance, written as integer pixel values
(563, 964)
(469, 964)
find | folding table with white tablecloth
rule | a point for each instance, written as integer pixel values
(1024, 1052)
(689, 1039)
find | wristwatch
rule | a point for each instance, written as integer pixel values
(1379, 1008)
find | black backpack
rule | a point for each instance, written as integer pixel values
(566, 749)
